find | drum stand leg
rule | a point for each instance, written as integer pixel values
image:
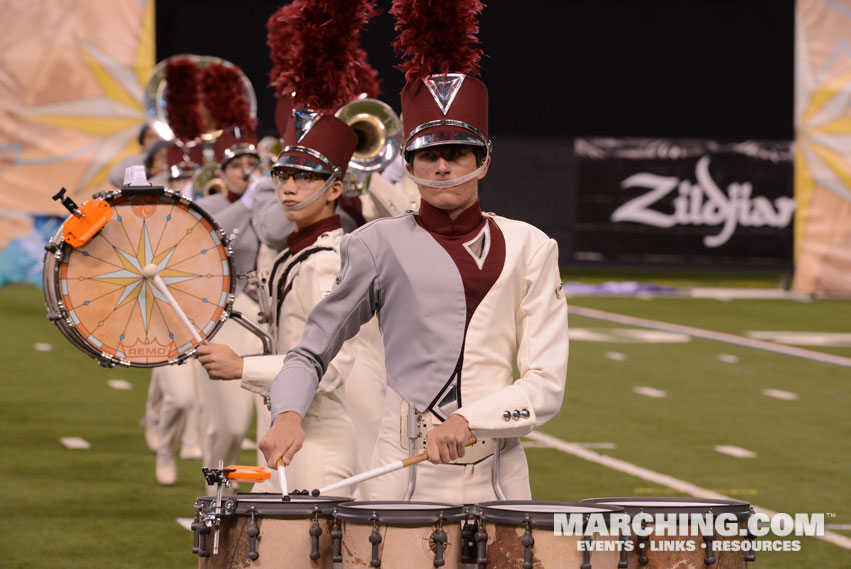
(497, 489)
(412, 437)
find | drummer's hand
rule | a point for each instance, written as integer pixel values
(283, 440)
(447, 441)
(219, 360)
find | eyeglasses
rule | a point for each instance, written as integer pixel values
(301, 178)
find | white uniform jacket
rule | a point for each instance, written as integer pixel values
(396, 268)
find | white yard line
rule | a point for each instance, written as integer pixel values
(615, 356)
(120, 384)
(185, 523)
(780, 394)
(658, 478)
(735, 451)
(43, 347)
(75, 443)
(711, 335)
(649, 392)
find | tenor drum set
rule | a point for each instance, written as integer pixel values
(330, 532)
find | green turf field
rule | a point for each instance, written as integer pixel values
(100, 507)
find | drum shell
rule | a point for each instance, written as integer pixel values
(406, 541)
(654, 545)
(284, 539)
(507, 527)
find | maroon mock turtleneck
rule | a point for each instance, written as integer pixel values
(452, 236)
(300, 240)
(232, 197)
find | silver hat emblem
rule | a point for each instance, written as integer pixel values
(443, 88)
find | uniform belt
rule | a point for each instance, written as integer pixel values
(427, 421)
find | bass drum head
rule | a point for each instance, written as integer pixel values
(634, 506)
(390, 512)
(539, 514)
(98, 296)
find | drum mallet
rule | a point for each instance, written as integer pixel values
(387, 468)
(151, 272)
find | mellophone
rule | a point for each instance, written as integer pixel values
(308, 531)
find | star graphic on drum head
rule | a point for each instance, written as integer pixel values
(136, 287)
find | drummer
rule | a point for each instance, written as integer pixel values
(463, 297)
(308, 178)
(226, 409)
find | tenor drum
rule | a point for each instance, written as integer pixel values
(520, 534)
(410, 535)
(676, 547)
(261, 530)
(98, 297)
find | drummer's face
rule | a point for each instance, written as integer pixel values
(235, 171)
(297, 186)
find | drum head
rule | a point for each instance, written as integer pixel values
(116, 315)
(270, 504)
(634, 506)
(400, 512)
(539, 514)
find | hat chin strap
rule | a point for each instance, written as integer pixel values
(451, 183)
(314, 196)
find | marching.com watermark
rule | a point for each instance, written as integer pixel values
(711, 527)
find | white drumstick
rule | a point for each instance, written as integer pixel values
(282, 478)
(382, 470)
(151, 272)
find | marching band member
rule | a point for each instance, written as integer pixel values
(462, 296)
(226, 409)
(308, 174)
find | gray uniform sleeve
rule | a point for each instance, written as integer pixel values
(353, 301)
(267, 217)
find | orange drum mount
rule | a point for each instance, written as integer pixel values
(98, 294)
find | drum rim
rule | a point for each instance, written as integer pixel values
(388, 515)
(247, 502)
(491, 512)
(70, 332)
(740, 508)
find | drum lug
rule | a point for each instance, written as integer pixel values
(336, 540)
(710, 549)
(622, 562)
(642, 549)
(315, 531)
(439, 539)
(482, 543)
(54, 316)
(751, 555)
(375, 540)
(527, 541)
(196, 532)
(586, 553)
(468, 541)
(203, 532)
(51, 247)
(253, 531)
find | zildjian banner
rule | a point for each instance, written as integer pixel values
(684, 203)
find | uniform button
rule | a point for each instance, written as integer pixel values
(525, 413)
(516, 414)
(507, 415)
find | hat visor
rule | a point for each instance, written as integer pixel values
(300, 161)
(232, 153)
(440, 135)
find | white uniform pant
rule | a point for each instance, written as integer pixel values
(226, 408)
(178, 400)
(329, 453)
(453, 483)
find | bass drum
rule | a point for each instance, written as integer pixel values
(100, 300)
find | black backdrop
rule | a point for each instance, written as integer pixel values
(560, 69)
